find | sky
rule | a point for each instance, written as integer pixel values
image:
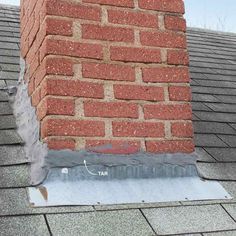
(11, 2)
(210, 14)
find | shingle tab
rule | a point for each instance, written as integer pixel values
(14, 176)
(229, 139)
(223, 154)
(7, 122)
(208, 140)
(213, 128)
(219, 107)
(203, 155)
(222, 233)
(24, 225)
(5, 108)
(200, 106)
(3, 95)
(9, 137)
(189, 219)
(216, 116)
(12, 154)
(231, 209)
(218, 171)
(100, 223)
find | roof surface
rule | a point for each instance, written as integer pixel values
(213, 73)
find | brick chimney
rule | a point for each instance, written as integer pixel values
(109, 72)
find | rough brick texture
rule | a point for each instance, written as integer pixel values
(111, 73)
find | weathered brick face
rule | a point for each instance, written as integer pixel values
(109, 72)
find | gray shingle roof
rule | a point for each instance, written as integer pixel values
(213, 73)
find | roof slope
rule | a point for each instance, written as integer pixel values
(213, 74)
(213, 59)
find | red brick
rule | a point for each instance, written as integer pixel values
(177, 57)
(74, 88)
(73, 10)
(170, 146)
(139, 92)
(168, 111)
(180, 93)
(176, 6)
(35, 97)
(31, 6)
(108, 33)
(110, 109)
(34, 65)
(56, 106)
(138, 129)
(59, 27)
(59, 66)
(34, 30)
(113, 146)
(182, 129)
(175, 23)
(23, 24)
(33, 50)
(163, 39)
(24, 48)
(120, 3)
(59, 144)
(31, 86)
(40, 8)
(108, 71)
(28, 27)
(71, 48)
(53, 66)
(62, 127)
(133, 18)
(135, 54)
(166, 74)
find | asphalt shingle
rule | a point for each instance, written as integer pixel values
(208, 140)
(23, 225)
(9, 137)
(3, 94)
(216, 116)
(219, 107)
(222, 233)
(213, 128)
(189, 219)
(5, 108)
(203, 155)
(229, 139)
(231, 209)
(218, 171)
(14, 176)
(7, 122)
(110, 223)
(10, 155)
(223, 154)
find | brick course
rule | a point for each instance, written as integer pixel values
(109, 72)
